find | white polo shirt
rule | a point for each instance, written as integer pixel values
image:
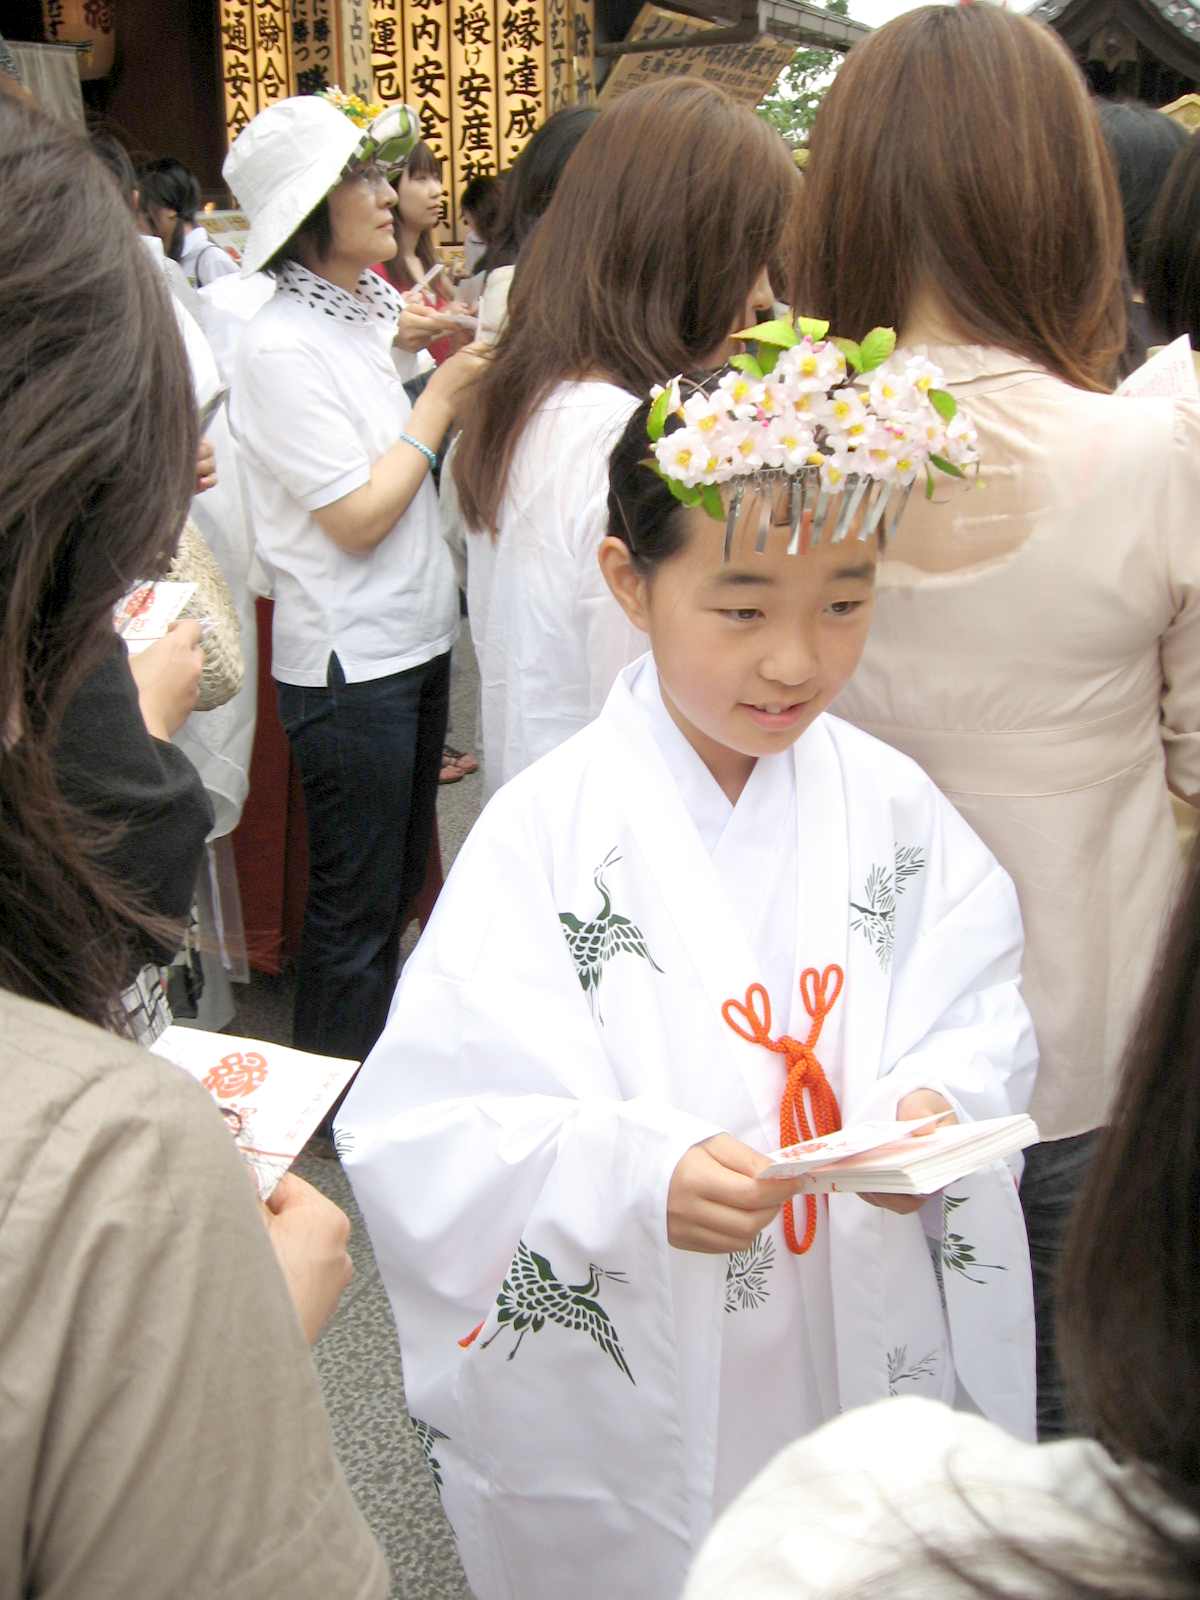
(316, 400)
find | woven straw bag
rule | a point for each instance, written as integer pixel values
(212, 602)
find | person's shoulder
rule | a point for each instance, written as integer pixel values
(72, 1086)
(869, 1499)
(584, 405)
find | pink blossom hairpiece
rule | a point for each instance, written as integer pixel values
(844, 427)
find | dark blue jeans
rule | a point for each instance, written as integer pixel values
(1052, 1179)
(368, 755)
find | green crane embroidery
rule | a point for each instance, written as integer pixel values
(594, 944)
(876, 919)
(532, 1295)
(427, 1438)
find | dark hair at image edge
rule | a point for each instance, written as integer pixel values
(631, 275)
(97, 459)
(979, 171)
(1170, 264)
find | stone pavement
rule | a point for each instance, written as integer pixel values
(357, 1357)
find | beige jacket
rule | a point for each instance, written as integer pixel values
(1036, 648)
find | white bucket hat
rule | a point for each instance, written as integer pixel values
(284, 163)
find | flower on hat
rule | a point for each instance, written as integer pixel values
(360, 112)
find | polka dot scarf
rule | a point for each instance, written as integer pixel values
(374, 301)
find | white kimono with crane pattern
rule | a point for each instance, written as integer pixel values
(587, 1394)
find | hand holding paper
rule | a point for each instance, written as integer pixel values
(920, 1105)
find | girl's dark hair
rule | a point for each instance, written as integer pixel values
(669, 209)
(529, 185)
(642, 511)
(169, 184)
(957, 151)
(94, 497)
(1170, 263)
(423, 163)
(314, 234)
(481, 197)
(1143, 143)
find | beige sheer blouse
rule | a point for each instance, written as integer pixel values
(1036, 648)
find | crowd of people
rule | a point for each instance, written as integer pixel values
(813, 798)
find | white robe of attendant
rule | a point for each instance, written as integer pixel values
(557, 1044)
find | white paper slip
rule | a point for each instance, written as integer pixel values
(147, 612)
(271, 1097)
(797, 1159)
(1170, 374)
(923, 1165)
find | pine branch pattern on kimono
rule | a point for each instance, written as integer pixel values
(595, 943)
(746, 1276)
(427, 1438)
(901, 1370)
(532, 1294)
(875, 916)
(958, 1254)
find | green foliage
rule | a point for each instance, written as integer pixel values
(852, 352)
(659, 412)
(944, 404)
(876, 348)
(791, 106)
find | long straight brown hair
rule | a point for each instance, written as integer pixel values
(671, 205)
(97, 467)
(957, 151)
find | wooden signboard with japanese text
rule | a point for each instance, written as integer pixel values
(745, 71)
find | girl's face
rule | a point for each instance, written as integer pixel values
(420, 201)
(163, 221)
(360, 211)
(749, 651)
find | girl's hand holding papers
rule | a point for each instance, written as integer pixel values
(716, 1202)
(920, 1103)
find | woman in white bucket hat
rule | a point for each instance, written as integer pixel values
(338, 463)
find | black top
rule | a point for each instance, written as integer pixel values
(112, 768)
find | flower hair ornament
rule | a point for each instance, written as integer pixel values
(843, 428)
(392, 133)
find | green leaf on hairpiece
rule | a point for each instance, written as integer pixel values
(685, 496)
(851, 351)
(779, 332)
(877, 347)
(943, 465)
(710, 499)
(812, 327)
(928, 484)
(768, 355)
(659, 412)
(944, 404)
(749, 365)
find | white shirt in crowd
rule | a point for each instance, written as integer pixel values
(316, 401)
(862, 1506)
(204, 261)
(549, 636)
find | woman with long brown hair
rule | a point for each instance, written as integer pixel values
(154, 1367)
(651, 254)
(1037, 641)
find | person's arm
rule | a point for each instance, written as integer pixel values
(362, 519)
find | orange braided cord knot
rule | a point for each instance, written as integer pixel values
(751, 1020)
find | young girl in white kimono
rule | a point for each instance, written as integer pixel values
(714, 902)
